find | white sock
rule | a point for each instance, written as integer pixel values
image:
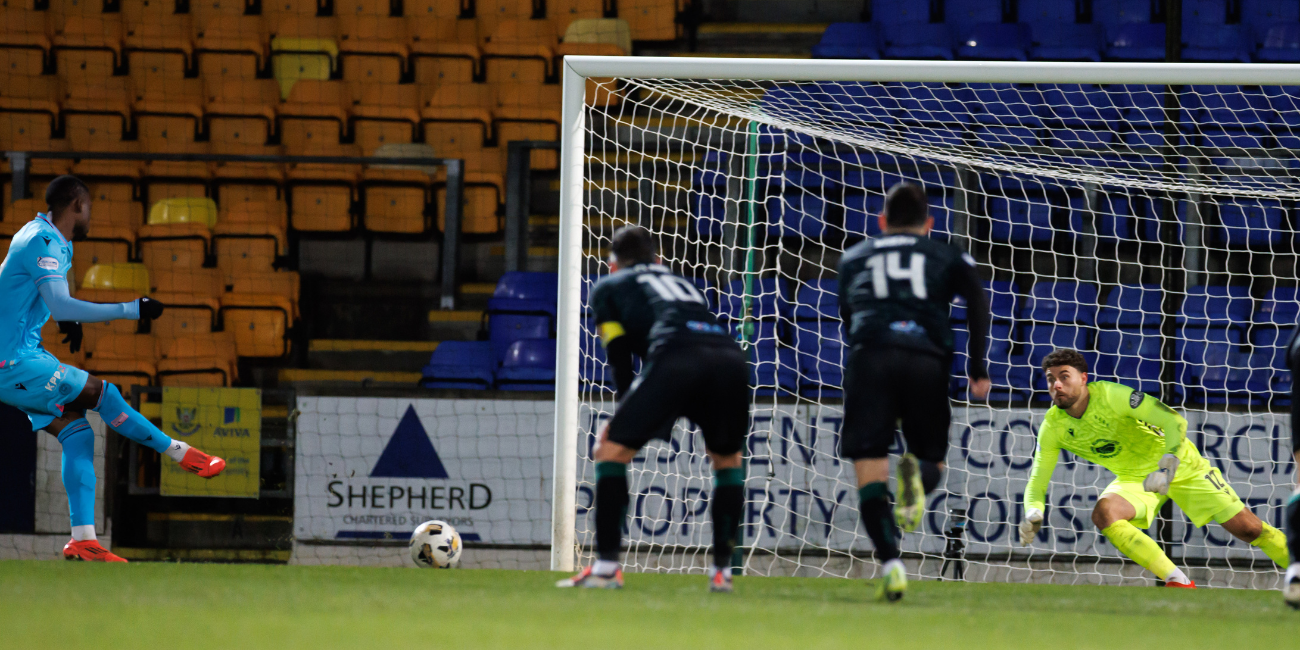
(177, 451)
(726, 571)
(83, 533)
(605, 568)
(1292, 573)
(896, 562)
(1177, 577)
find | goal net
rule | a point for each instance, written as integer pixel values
(1142, 214)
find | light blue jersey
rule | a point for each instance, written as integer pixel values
(39, 254)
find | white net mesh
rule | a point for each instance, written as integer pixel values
(1148, 226)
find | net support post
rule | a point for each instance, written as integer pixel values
(451, 231)
(961, 208)
(1193, 230)
(567, 349)
(18, 174)
(518, 157)
(1086, 269)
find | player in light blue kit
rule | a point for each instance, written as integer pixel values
(55, 396)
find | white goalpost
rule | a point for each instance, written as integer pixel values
(1145, 214)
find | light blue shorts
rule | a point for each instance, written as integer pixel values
(39, 385)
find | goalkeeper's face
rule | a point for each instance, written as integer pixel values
(1066, 384)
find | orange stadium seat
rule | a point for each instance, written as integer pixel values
(90, 132)
(177, 234)
(520, 51)
(206, 10)
(197, 360)
(444, 47)
(29, 94)
(258, 310)
(310, 102)
(24, 29)
(52, 341)
(160, 96)
(191, 296)
(290, 8)
(116, 218)
(89, 86)
(321, 207)
(454, 114)
(481, 213)
(526, 112)
(242, 98)
(243, 136)
(22, 210)
(384, 114)
(562, 12)
(171, 134)
(98, 35)
(160, 32)
(27, 62)
(650, 20)
(230, 45)
(396, 197)
(373, 48)
(491, 13)
(122, 358)
(251, 229)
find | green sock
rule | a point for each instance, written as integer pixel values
(1273, 542)
(1140, 548)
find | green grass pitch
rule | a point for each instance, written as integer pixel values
(143, 605)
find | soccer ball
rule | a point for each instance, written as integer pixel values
(435, 545)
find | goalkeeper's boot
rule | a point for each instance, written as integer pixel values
(588, 579)
(911, 494)
(720, 580)
(1291, 586)
(894, 583)
(205, 466)
(88, 551)
(1190, 584)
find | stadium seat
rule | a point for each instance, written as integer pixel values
(1281, 44)
(122, 358)
(1215, 306)
(230, 45)
(259, 308)
(525, 292)
(311, 102)
(1132, 306)
(933, 103)
(29, 94)
(1250, 224)
(1280, 306)
(564, 11)
(1022, 220)
(1062, 303)
(24, 29)
(373, 48)
(816, 300)
(444, 47)
(191, 296)
(169, 133)
(774, 370)
(1260, 15)
(383, 114)
(1214, 370)
(465, 365)
(251, 228)
(596, 36)
(1042, 338)
(175, 225)
(650, 20)
(1041, 12)
(1066, 42)
(130, 278)
(798, 214)
(528, 365)
(848, 41)
(763, 295)
(157, 31)
(861, 214)
(1217, 42)
(1131, 358)
(819, 348)
(520, 51)
(527, 112)
(457, 122)
(505, 328)
(1112, 219)
(95, 37)
(1137, 42)
(302, 48)
(996, 42)
(483, 203)
(206, 360)
(918, 41)
(1112, 13)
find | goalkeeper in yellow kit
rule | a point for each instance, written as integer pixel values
(1144, 443)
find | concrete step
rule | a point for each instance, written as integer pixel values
(392, 356)
(457, 325)
(351, 379)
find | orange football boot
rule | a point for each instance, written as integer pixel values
(205, 466)
(1191, 584)
(89, 551)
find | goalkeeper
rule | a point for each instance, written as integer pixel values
(1144, 443)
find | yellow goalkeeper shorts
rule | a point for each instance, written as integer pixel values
(1202, 496)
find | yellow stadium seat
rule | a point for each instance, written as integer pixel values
(321, 208)
(597, 36)
(122, 358)
(52, 341)
(25, 29)
(258, 310)
(131, 278)
(373, 48)
(230, 45)
(303, 48)
(189, 210)
(197, 360)
(481, 210)
(520, 51)
(650, 20)
(177, 233)
(91, 252)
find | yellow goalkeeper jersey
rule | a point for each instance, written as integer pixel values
(1123, 430)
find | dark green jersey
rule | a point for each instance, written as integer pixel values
(896, 290)
(652, 307)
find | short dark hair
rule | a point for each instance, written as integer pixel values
(906, 206)
(1065, 357)
(62, 191)
(632, 245)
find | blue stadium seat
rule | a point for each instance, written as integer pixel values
(525, 292)
(460, 364)
(1268, 365)
(819, 348)
(1137, 42)
(593, 365)
(529, 364)
(1129, 306)
(1042, 338)
(798, 214)
(1006, 104)
(1113, 220)
(764, 293)
(584, 291)
(918, 41)
(1214, 370)
(817, 300)
(1009, 370)
(773, 370)
(1020, 220)
(1061, 303)
(708, 200)
(1281, 44)
(964, 14)
(848, 41)
(1112, 13)
(1143, 108)
(1260, 15)
(1204, 12)
(1216, 306)
(1228, 107)
(899, 12)
(505, 329)
(808, 169)
(1285, 102)
(1077, 106)
(860, 214)
(1250, 223)
(1131, 357)
(996, 42)
(1217, 42)
(933, 103)
(1148, 214)
(1280, 306)
(1066, 42)
(1040, 12)
(856, 102)
(1004, 300)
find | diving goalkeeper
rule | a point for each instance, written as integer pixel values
(1144, 443)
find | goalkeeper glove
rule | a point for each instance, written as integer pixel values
(1030, 526)
(72, 334)
(1159, 480)
(150, 309)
